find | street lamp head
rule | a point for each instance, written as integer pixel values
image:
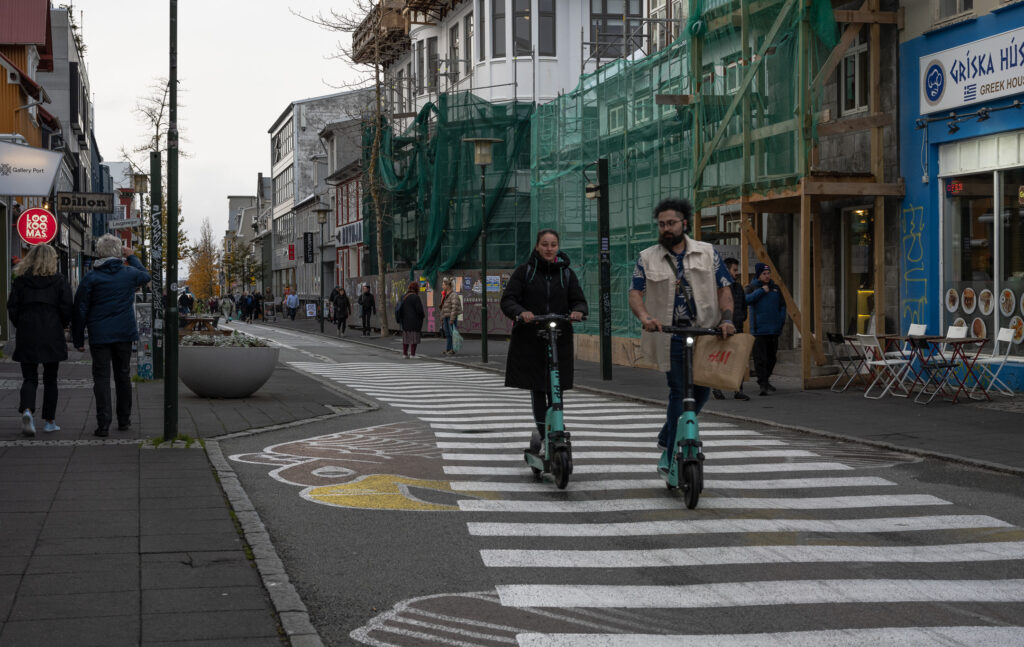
(482, 149)
(140, 182)
(321, 209)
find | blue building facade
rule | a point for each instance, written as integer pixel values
(962, 157)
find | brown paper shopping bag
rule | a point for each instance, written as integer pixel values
(722, 363)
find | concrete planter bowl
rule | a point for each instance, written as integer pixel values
(225, 371)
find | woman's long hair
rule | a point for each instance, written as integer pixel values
(41, 260)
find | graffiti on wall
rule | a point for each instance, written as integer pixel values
(914, 288)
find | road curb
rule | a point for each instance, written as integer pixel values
(291, 611)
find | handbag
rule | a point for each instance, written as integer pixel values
(456, 339)
(720, 363)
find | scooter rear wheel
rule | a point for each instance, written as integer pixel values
(691, 484)
(560, 468)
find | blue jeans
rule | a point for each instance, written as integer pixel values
(447, 326)
(676, 390)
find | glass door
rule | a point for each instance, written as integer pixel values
(858, 300)
(967, 298)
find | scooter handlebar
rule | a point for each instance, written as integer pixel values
(549, 317)
(688, 330)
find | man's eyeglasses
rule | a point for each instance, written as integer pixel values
(668, 224)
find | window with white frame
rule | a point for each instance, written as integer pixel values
(400, 91)
(283, 186)
(480, 51)
(522, 28)
(616, 117)
(643, 109)
(497, 28)
(453, 55)
(547, 41)
(951, 8)
(419, 67)
(610, 35)
(410, 101)
(853, 89)
(432, 64)
(467, 37)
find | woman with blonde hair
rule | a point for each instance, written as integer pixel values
(39, 307)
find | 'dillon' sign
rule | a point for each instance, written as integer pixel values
(37, 226)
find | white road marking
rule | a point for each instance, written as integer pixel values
(651, 455)
(753, 593)
(709, 445)
(504, 423)
(719, 555)
(880, 637)
(706, 503)
(709, 484)
(646, 468)
(717, 526)
(584, 433)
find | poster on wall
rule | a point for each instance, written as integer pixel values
(978, 71)
(310, 310)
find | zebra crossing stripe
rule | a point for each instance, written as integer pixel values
(504, 423)
(710, 484)
(880, 637)
(651, 455)
(525, 417)
(646, 442)
(647, 468)
(706, 503)
(718, 526)
(569, 412)
(720, 555)
(753, 593)
(525, 433)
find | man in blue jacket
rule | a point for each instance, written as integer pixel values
(767, 316)
(105, 304)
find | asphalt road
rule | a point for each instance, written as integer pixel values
(417, 523)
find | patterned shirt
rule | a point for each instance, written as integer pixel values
(684, 304)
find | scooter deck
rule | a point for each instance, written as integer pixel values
(536, 461)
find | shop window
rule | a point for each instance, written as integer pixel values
(853, 78)
(1009, 302)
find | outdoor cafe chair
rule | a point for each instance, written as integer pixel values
(889, 372)
(991, 365)
(931, 368)
(849, 358)
(905, 351)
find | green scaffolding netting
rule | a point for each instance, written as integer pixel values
(431, 187)
(737, 68)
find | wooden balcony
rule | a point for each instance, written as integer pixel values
(381, 35)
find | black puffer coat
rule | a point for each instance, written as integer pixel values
(541, 288)
(410, 313)
(40, 309)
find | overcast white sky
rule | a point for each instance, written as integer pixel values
(240, 63)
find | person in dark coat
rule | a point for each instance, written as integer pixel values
(767, 316)
(542, 285)
(342, 308)
(39, 306)
(105, 304)
(367, 308)
(410, 316)
(739, 315)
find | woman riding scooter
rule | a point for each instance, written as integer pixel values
(544, 284)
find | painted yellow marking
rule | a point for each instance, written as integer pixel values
(381, 492)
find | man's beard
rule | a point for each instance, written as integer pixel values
(669, 240)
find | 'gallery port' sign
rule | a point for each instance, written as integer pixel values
(979, 71)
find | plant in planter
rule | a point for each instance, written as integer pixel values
(225, 366)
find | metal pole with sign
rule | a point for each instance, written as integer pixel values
(156, 246)
(605, 269)
(171, 323)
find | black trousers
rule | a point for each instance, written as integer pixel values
(342, 324)
(104, 357)
(366, 322)
(766, 347)
(540, 400)
(30, 384)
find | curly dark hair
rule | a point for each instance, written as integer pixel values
(681, 206)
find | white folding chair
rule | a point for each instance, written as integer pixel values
(996, 361)
(915, 330)
(889, 372)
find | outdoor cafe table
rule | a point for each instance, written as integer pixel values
(958, 352)
(191, 323)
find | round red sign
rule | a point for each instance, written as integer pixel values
(37, 226)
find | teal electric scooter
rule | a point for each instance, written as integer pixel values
(555, 456)
(682, 464)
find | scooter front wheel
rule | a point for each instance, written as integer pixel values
(560, 469)
(691, 484)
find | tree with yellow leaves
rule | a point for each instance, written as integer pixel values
(204, 268)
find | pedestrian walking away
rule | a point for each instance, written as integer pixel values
(451, 310)
(410, 316)
(227, 307)
(544, 284)
(767, 316)
(682, 282)
(342, 308)
(292, 303)
(39, 307)
(367, 308)
(105, 306)
(739, 315)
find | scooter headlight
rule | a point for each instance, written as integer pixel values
(553, 324)
(689, 341)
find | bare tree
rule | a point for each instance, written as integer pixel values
(368, 20)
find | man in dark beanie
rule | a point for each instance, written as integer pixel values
(767, 315)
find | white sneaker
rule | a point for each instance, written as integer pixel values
(50, 427)
(28, 425)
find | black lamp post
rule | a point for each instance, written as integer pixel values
(482, 156)
(321, 209)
